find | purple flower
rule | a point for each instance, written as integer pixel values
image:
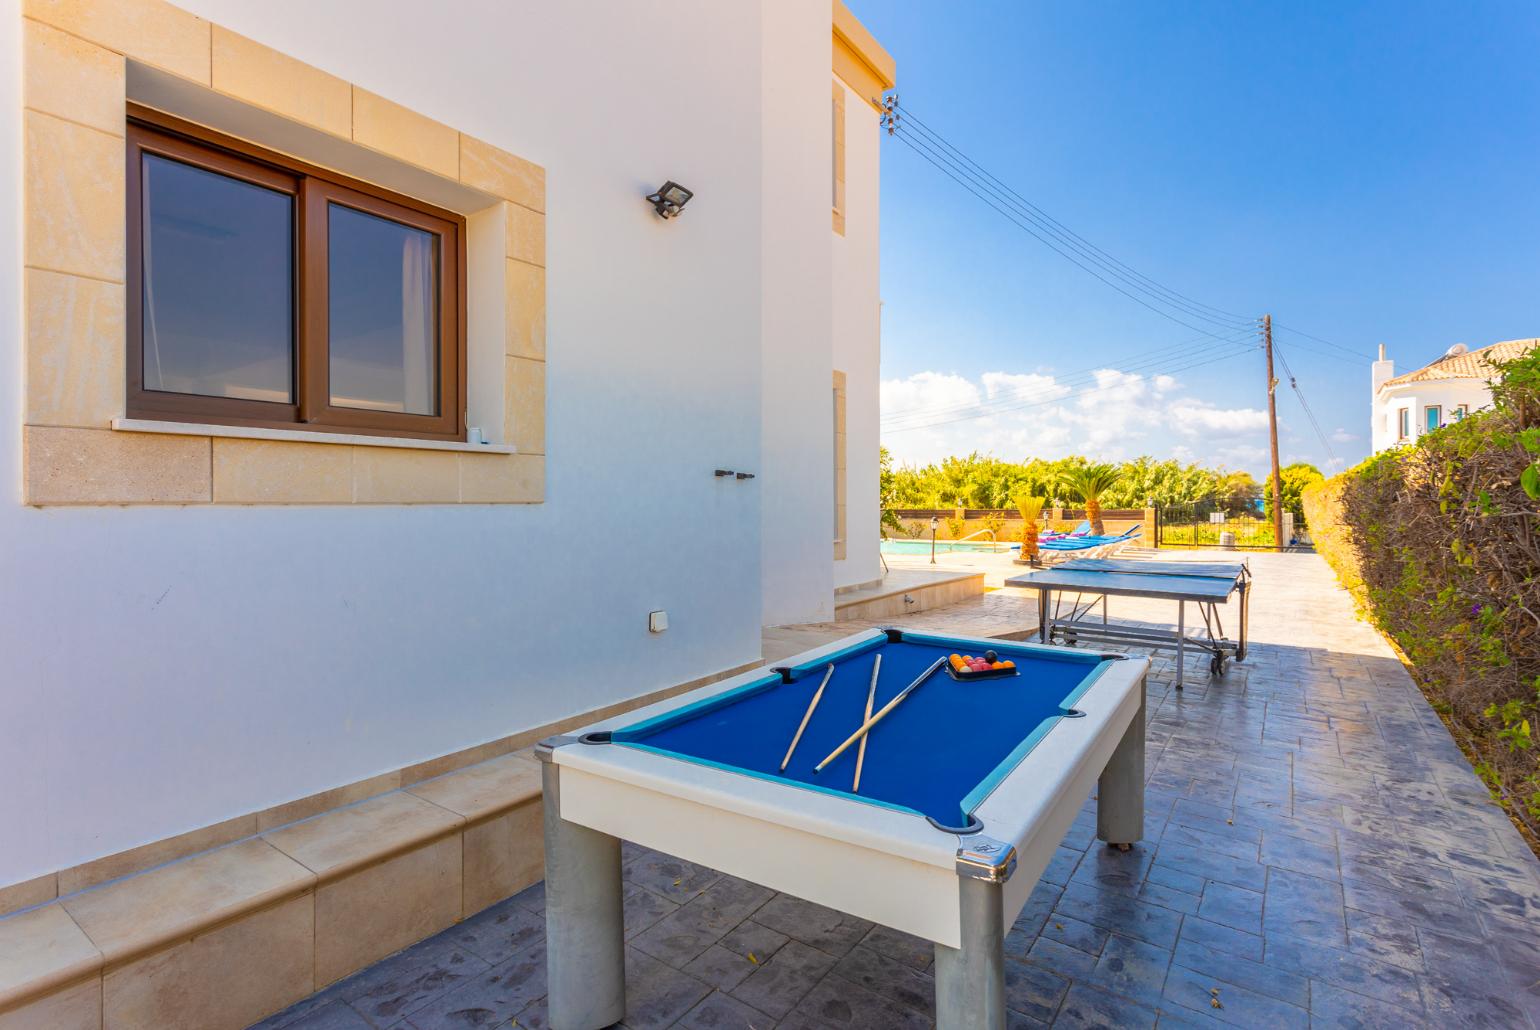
(1475, 609)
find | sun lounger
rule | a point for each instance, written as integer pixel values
(1087, 542)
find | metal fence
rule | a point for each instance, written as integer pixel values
(1207, 525)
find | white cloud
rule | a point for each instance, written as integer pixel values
(1340, 435)
(926, 391)
(1003, 387)
(1196, 418)
(1238, 456)
(1117, 415)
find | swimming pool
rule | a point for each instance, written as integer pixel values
(945, 546)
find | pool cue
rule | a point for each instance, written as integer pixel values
(817, 696)
(874, 720)
(871, 697)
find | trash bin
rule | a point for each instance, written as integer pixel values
(1227, 541)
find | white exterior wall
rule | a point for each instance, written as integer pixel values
(166, 668)
(857, 340)
(796, 479)
(1447, 393)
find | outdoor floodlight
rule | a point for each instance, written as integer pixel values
(670, 199)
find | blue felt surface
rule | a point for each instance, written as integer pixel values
(938, 753)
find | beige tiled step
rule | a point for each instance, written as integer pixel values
(905, 591)
(226, 937)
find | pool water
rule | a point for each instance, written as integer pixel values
(944, 546)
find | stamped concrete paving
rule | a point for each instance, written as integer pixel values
(1318, 853)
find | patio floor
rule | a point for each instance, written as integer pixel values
(1318, 852)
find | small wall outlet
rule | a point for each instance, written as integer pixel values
(657, 622)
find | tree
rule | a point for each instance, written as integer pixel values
(1088, 483)
(1294, 479)
(981, 481)
(887, 492)
(1239, 492)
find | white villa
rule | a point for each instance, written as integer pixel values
(1407, 406)
(374, 409)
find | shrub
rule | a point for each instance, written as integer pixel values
(1440, 541)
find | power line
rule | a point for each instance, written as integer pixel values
(1096, 262)
(1317, 339)
(977, 191)
(1150, 364)
(1294, 383)
(1024, 220)
(1083, 246)
(1356, 359)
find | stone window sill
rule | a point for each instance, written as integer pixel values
(140, 425)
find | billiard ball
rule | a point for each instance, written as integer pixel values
(991, 657)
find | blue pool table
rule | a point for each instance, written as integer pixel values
(966, 789)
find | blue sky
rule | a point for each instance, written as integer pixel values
(1368, 173)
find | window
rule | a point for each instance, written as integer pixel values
(1460, 411)
(265, 292)
(1432, 417)
(1404, 423)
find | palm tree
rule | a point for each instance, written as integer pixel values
(1088, 483)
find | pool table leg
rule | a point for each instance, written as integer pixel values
(584, 932)
(970, 981)
(1120, 791)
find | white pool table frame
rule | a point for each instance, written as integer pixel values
(876, 863)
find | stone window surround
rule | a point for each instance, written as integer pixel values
(839, 157)
(82, 63)
(841, 470)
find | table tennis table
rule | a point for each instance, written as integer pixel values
(1092, 580)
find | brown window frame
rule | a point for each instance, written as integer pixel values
(313, 190)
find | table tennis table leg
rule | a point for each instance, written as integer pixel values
(1181, 642)
(1240, 651)
(1044, 595)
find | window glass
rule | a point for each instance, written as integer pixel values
(383, 312)
(1432, 417)
(1404, 423)
(218, 284)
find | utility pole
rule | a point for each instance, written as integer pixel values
(1272, 432)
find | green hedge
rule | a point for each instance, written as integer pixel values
(1440, 542)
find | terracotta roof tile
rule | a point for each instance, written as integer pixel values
(1470, 365)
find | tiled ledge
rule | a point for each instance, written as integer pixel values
(143, 425)
(425, 779)
(228, 936)
(234, 933)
